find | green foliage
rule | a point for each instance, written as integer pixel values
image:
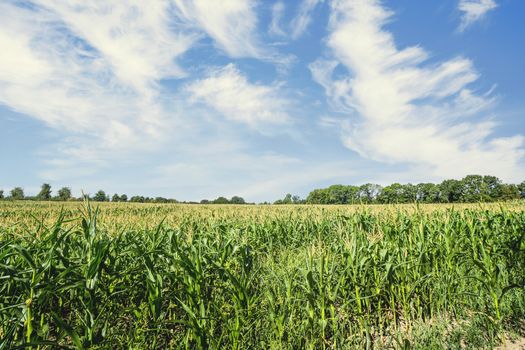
(472, 188)
(237, 200)
(521, 188)
(221, 200)
(64, 194)
(263, 278)
(137, 199)
(508, 192)
(45, 193)
(17, 193)
(100, 196)
(1, 194)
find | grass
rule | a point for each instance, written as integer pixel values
(260, 277)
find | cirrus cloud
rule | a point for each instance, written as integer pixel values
(474, 10)
(404, 110)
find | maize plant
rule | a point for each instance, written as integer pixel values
(172, 276)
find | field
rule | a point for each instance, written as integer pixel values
(145, 276)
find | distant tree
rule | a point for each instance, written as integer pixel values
(115, 198)
(1, 194)
(521, 188)
(340, 194)
(298, 200)
(391, 194)
(474, 189)
(17, 193)
(409, 193)
(45, 193)
(369, 192)
(160, 200)
(427, 193)
(450, 191)
(205, 201)
(64, 194)
(286, 200)
(318, 196)
(100, 196)
(221, 200)
(137, 199)
(237, 200)
(492, 187)
(508, 192)
(123, 198)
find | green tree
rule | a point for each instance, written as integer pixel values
(221, 200)
(521, 188)
(1, 194)
(237, 200)
(391, 194)
(474, 189)
(123, 198)
(160, 200)
(450, 191)
(340, 194)
(45, 193)
(492, 187)
(427, 193)
(100, 196)
(509, 192)
(17, 193)
(409, 193)
(137, 199)
(64, 194)
(369, 192)
(297, 200)
(318, 196)
(115, 198)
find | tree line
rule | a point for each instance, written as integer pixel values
(65, 194)
(472, 188)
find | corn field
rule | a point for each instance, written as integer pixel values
(139, 276)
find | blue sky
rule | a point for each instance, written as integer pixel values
(195, 99)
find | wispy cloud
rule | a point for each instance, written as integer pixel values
(298, 24)
(232, 24)
(302, 19)
(474, 10)
(92, 70)
(89, 69)
(277, 16)
(230, 93)
(404, 110)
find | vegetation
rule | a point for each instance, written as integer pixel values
(17, 193)
(124, 276)
(471, 189)
(45, 193)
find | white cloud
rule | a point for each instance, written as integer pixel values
(303, 18)
(232, 24)
(277, 15)
(298, 24)
(230, 93)
(474, 10)
(91, 70)
(403, 110)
